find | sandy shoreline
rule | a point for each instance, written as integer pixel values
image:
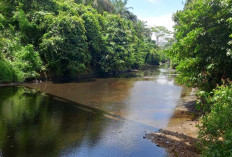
(180, 136)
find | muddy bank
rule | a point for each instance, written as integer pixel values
(180, 136)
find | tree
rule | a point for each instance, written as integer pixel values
(203, 52)
(64, 47)
(203, 48)
(100, 5)
(121, 9)
(162, 34)
(66, 38)
(119, 6)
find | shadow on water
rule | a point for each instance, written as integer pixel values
(90, 117)
(80, 80)
(148, 71)
(35, 124)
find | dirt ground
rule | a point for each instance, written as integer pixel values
(180, 136)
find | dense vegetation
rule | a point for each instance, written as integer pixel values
(66, 38)
(204, 43)
(203, 54)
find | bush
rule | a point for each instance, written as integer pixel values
(7, 73)
(26, 63)
(64, 47)
(216, 129)
(94, 37)
(203, 47)
(24, 60)
(118, 37)
(152, 58)
(28, 30)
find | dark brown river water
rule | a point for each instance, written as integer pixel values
(97, 117)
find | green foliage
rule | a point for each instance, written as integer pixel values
(203, 46)
(21, 62)
(216, 129)
(94, 37)
(28, 30)
(119, 48)
(70, 37)
(2, 19)
(64, 47)
(26, 63)
(7, 73)
(152, 58)
(203, 54)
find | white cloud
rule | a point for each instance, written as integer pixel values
(164, 20)
(153, 1)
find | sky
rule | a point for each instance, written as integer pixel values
(156, 12)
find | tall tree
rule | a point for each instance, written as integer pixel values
(121, 9)
(119, 6)
(162, 34)
(100, 5)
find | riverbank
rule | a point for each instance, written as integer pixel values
(82, 77)
(180, 136)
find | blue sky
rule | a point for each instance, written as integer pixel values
(156, 12)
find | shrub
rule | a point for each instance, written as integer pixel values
(203, 47)
(7, 73)
(216, 129)
(64, 47)
(24, 60)
(152, 58)
(119, 48)
(94, 37)
(26, 63)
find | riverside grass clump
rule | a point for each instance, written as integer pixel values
(67, 38)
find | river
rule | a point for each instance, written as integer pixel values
(94, 117)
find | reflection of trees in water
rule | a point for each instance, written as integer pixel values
(33, 124)
(106, 94)
(152, 72)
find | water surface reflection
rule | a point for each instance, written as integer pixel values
(101, 117)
